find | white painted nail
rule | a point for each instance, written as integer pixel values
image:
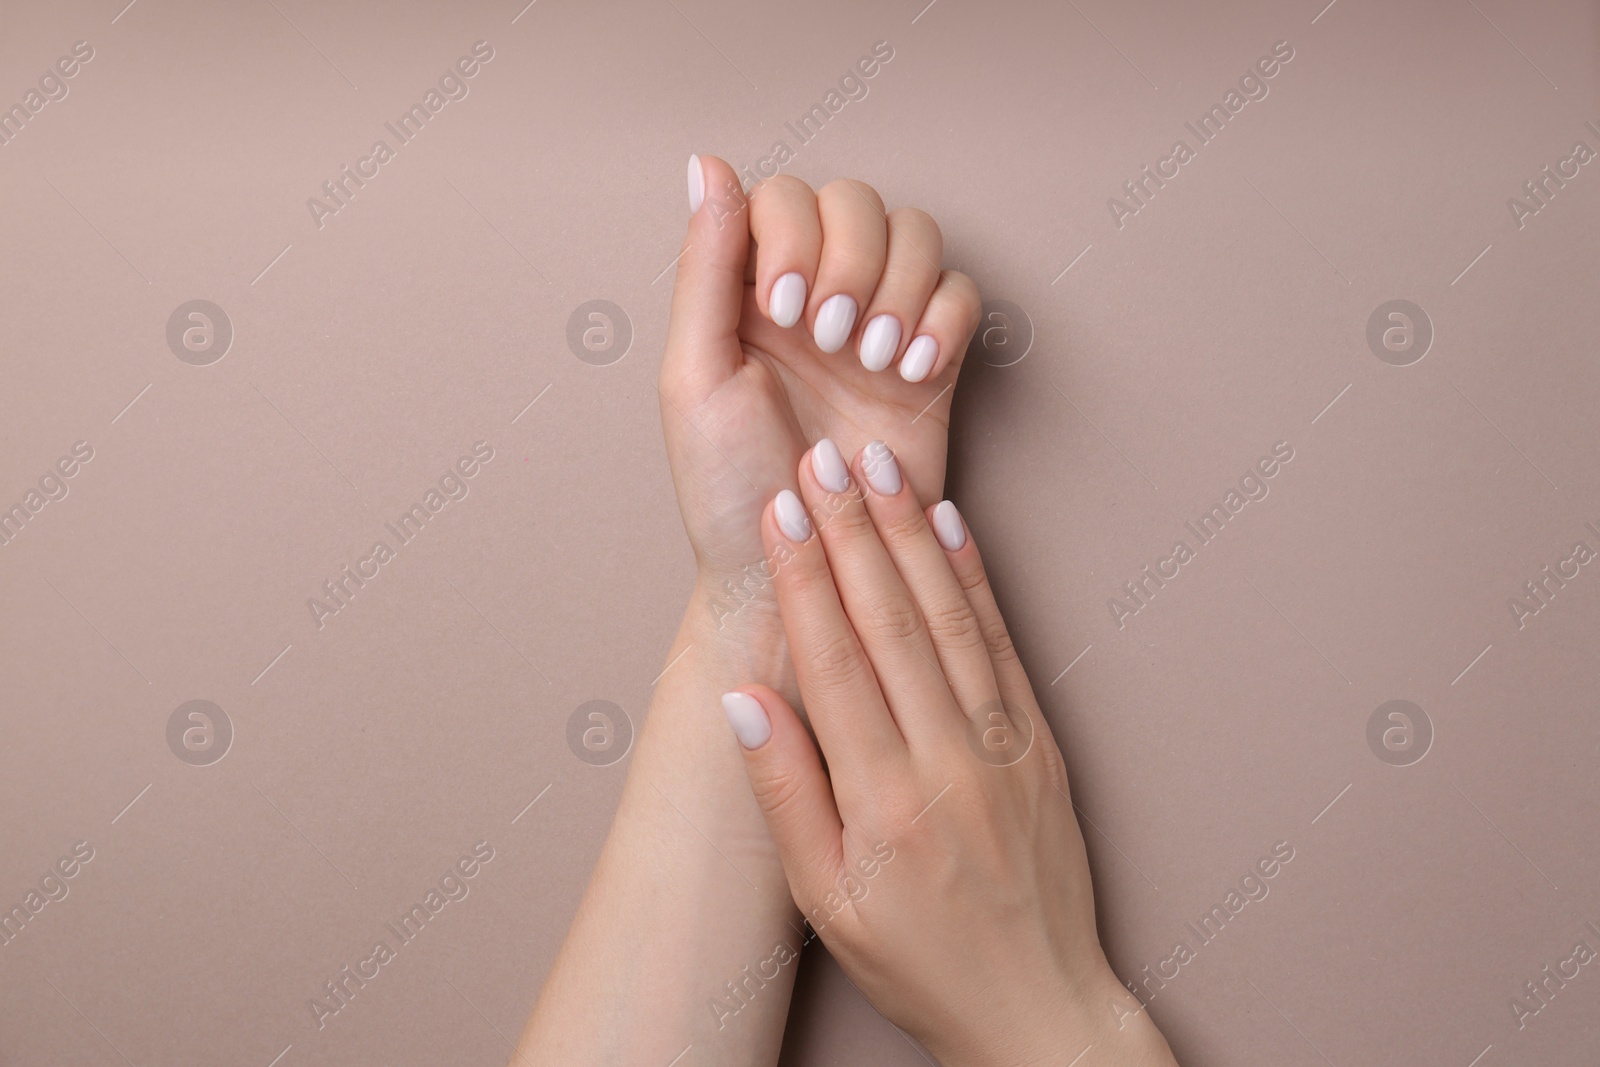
(787, 299)
(879, 341)
(828, 465)
(835, 319)
(748, 719)
(791, 515)
(947, 526)
(883, 473)
(697, 184)
(919, 357)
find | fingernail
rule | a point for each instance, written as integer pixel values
(879, 341)
(919, 357)
(947, 526)
(748, 719)
(791, 515)
(788, 299)
(697, 184)
(828, 465)
(835, 318)
(883, 473)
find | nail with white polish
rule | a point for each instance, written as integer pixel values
(919, 357)
(827, 463)
(748, 719)
(883, 473)
(697, 184)
(879, 341)
(791, 515)
(787, 299)
(835, 319)
(947, 526)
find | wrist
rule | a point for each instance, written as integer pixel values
(1106, 1016)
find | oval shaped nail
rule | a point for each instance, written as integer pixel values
(919, 357)
(787, 299)
(835, 319)
(948, 527)
(828, 464)
(791, 516)
(879, 341)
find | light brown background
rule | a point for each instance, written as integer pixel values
(1225, 317)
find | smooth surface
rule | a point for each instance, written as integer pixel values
(1167, 358)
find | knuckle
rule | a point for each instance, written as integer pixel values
(894, 616)
(964, 294)
(855, 190)
(997, 639)
(779, 790)
(903, 529)
(954, 625)
(836, 661)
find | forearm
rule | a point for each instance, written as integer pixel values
(676, 941)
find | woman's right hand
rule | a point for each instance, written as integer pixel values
(938, 856)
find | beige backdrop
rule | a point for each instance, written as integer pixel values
(1139, 362)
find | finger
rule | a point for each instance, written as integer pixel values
(707, 298)
(878, 604)
(842, 699)
(910, 272)
(956, 540)
(940, 339)
(790, 786)
(788, 235)
(854, 244)
(924, 567)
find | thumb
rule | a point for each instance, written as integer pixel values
(708, 297)
(789, 784)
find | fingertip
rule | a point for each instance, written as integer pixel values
(748, 717)
(948, 526)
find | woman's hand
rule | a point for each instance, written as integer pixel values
(938, 856)
(843, 326)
